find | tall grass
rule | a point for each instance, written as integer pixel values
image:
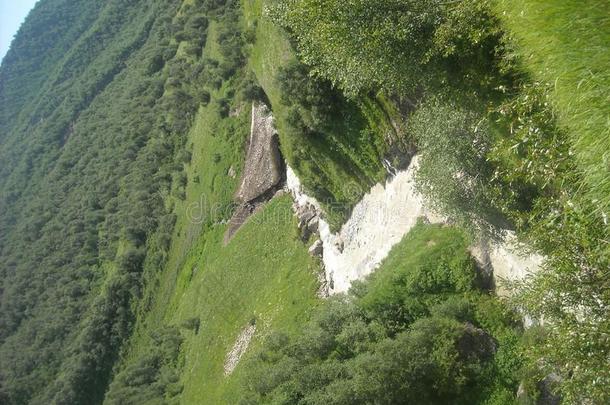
(567, 43)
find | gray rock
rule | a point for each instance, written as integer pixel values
(522, 396)
(323, 289)
(313, 224)
(263, 169)
(547, 388)
(339, 244)
(305, 214)
(546, 394)
(476, 343)
(317, 248)
(305, 234)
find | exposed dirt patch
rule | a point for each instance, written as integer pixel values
(264, 170)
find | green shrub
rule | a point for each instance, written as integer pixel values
(191, 324)
(454, 173)
(251, 90)
(154, 377)
(314, 99)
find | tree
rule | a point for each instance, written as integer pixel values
(394, 45)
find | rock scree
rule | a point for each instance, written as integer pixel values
(263, 173)
(379, 221)
(239, 348)
(264, 167)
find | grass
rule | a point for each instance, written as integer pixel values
(424, 249)
(209, 195)
(265, 273)
(565, 43)
(208, 202)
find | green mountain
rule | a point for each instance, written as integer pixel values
(151, 250)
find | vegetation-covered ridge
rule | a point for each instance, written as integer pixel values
(510, 119)
(88, 168)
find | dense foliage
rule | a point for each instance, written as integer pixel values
(87, 171)
(420, 330)
(153, 377)
(550, 36)
(338, 158)
(395, 45)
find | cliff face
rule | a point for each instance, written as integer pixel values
(263, 168)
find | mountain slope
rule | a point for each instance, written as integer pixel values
(124, 126)
(89, 159)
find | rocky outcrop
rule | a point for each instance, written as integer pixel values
(317, 248)
(264, 168)
(505, 261)
(263, 173)
(547, 392)
(379, 221)
(476, 343)
(310, 222)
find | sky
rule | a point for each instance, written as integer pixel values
(12, 14)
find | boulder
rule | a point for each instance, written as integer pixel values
(305, 214)
(313, 224)
(263, 173)
(548, 388)
(317, 248)
(476, 343)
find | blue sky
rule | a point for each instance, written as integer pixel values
(12, 14)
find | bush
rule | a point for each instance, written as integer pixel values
(251, 90)
(131, 260)
(193, 49)
(204, 97)
(153, 377)
(197, 22)
(191, 324)
(454, 172)
(156, 64)
(224, 107)
(314, 100)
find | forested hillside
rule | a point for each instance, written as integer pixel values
(125, 127)
(90, 144)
